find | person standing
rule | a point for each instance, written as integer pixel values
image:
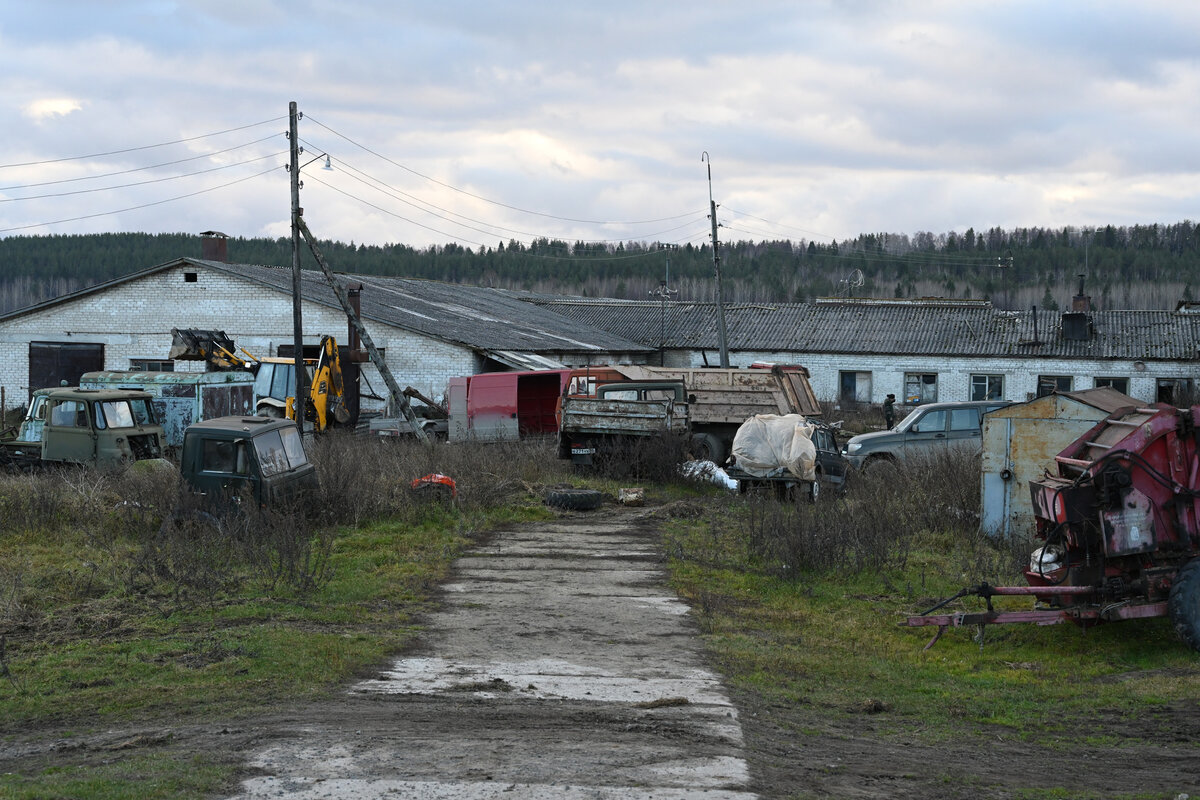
(889, 411)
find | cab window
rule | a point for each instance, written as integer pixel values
(932, 422)
(964, 419)
(69, 414)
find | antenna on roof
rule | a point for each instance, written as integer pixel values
(851, 282)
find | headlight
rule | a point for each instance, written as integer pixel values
(853, 447)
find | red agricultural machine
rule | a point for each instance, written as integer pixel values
(1121, 529)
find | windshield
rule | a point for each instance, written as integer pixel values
(907, 422)
(123, 413)
(278, 451)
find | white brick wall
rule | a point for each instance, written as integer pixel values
(954, 374)
(134, 320)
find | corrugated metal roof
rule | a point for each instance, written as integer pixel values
(893, 327)
(474, 316)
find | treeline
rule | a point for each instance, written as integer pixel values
(1140, 266)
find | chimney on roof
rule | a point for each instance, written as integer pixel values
(214, 246)
(1081, 302)
(1077, 323)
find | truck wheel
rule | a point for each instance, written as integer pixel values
(574, 499)
(1183, 604)
(706, 447)
(814, 489)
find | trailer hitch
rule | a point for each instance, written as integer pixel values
(1080, 614)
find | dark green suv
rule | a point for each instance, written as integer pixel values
(238, 456)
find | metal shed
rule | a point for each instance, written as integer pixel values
(1019, 444)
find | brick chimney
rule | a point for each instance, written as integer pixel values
(1081, 302)
(214, 246)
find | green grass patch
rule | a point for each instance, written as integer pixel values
(830, 639)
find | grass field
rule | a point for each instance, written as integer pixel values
(103, 621)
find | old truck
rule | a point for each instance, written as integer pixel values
(104, 428)
(236, 457)
(595, 428)
(719, 400)
(183, 398)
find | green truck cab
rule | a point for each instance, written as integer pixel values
(239, 456)
(89, 426)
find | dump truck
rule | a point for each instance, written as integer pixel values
(104, 428)
(598, 428)
(1119, 526)
(719, 400)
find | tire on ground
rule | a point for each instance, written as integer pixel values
(706, 447)
(1183, 604)
(574, 499)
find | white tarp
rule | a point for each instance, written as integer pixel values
(767, 442)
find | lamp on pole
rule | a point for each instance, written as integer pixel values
(298, 403)
(663, 293)
(712, 215)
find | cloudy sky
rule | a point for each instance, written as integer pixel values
(480, 122)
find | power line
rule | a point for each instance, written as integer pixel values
(143, 147)
(488, 200)
(138, 169)
(141, 183)
(385, 189)
(143, 205)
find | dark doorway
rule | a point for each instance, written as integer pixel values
(57, 363)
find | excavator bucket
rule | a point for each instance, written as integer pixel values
(196, 344)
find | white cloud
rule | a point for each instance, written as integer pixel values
(46, 107)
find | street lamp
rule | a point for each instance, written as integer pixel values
(663, 293)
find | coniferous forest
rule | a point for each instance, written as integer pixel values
(1125, 267)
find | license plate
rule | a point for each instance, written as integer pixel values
(583, 451)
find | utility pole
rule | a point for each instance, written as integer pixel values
(712, 215)
(663, 293)
(298, 403)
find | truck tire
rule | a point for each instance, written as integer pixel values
(1183, 604)
(574, 499)
(706, 447)
(814, 490)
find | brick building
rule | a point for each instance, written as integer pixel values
(428, 331)
(922, 350)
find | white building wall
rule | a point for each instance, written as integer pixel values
(134, 320)
(954, 373)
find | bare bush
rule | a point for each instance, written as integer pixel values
(649, 458)
(876, 524)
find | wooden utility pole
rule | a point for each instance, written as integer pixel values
(712, 215)
(299, 403)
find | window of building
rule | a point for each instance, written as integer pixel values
(151, 365)
(1176, 391)
(854, 387)
(987, 387)
(189, 277)
(1120, 384)
(1048, 384)
(920, 387)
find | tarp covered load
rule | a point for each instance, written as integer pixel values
(766, 444)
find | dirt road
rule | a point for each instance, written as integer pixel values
(560, 666)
